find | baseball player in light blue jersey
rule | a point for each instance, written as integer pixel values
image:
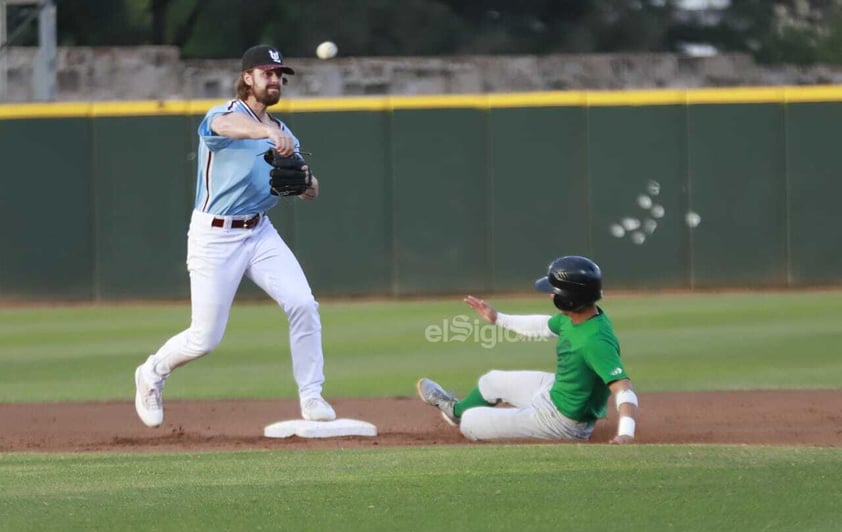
(230, 236)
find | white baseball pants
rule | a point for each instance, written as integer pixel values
(217, 259)
(533, 414)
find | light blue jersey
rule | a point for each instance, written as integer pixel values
(232, 178)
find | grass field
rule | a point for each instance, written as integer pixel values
(783, 340)
(486, 487)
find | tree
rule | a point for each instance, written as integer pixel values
(779, 31)
(101, 22)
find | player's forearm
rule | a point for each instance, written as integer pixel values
(627, 421)
(627, 404)
(627, 410)
(532, 326)
(239, 126)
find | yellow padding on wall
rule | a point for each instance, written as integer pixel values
(706, 96)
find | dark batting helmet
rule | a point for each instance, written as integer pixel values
(576, 282)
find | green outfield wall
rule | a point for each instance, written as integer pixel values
(444, 194)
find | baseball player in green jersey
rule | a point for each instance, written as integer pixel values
(561, 405)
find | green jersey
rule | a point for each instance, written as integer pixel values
(588, 360)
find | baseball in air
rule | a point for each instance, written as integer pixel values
(327, 50)
(693, 219)
(638, 237)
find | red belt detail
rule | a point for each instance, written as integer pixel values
(237, 224)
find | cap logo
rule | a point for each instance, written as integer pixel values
(276, 57)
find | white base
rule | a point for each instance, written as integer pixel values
(319, 429)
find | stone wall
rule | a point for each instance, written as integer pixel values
(158, 73)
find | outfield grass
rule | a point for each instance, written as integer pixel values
(486, 487)
(669, 343)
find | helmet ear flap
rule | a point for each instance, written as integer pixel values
(567, 301)
(561, 303)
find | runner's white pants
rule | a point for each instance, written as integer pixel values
(217, 258)
(533, 414)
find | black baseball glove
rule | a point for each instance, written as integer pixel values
(290, 176)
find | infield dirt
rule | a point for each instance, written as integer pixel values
(811, 418)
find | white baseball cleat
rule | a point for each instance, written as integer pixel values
(148, 401)
(317, 409)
